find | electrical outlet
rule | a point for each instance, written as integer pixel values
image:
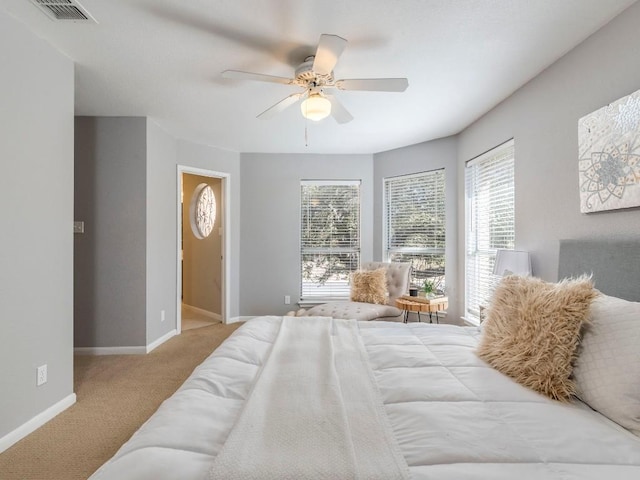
(162, 315)
(287, 300)
(41, 378)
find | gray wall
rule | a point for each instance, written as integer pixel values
(270, 213)
(36, 193)
(110, 257)
(421, 158)
(543, 118)
(125, 262)
(36, 238)
(161, 239)
(201, 266)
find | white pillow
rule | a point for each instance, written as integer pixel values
(607, 371)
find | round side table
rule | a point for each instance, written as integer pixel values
(429, 306)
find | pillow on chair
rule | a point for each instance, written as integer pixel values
(369, 286)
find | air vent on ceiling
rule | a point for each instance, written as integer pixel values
(64, 10)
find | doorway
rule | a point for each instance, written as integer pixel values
(202, 227)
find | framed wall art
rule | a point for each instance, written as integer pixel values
(609, 156)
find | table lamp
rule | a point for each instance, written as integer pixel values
(512, 262)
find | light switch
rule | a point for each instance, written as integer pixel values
(78, 227)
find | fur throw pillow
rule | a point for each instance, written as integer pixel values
(369, 286)
(532, 331)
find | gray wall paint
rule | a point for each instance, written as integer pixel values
(226, 162)
(110, 257)
(543, 118)
(270, 214)
(201, 266)
(423, 157)
(161, 240)
(125, 263)
(37, 256)
(36, 238)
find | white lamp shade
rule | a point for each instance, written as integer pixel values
(512, 262)
(316, 107)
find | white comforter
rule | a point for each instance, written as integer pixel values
(314, 412)
(452, 415)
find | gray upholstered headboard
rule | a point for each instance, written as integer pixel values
(615, 265)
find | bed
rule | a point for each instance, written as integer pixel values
(415, 400)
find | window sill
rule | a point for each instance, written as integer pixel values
(471, 321)
(308, 303)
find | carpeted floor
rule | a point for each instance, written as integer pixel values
(115, 395)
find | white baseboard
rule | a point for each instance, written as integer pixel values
(125, 350)
(36, 422)
(161, 340)
(203, 312)
(240, 319)
(110, 350)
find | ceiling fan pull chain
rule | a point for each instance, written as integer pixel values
(306, 123)
(306, 138)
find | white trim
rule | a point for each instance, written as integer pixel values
(503, 153)
(489, 153)
(203, 312)
(383, 253)
(386, 181)
(326, 250)
(226, 240)
(36, 422)
(110, 350)
(240, 319)
(125, 350)
(313, 303)
(470, 321)
(411, 175)
(156, 343)
(331, 182)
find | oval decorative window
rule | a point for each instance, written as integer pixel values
(202, 211)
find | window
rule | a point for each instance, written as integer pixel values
(202, 211)
(329, 238)
(415, 224)
(489, 221)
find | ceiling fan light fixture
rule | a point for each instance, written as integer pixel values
(316, 107)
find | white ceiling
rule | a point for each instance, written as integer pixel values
(163, 59)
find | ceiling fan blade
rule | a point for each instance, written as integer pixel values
(260, 77)
(338, 111)
(330, 47)
(282, 105)
(374, 84)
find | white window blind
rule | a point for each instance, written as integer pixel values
(329, 238)
(490, 224)
(415, 224)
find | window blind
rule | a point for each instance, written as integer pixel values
(415, 224)
(490, 221)
(329, 237)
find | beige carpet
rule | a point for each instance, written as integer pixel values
(115, 395)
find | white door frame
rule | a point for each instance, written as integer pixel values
(226, 238)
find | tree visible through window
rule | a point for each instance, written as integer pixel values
(415, 224)
(329, 237)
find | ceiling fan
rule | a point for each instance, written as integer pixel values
(315, 76)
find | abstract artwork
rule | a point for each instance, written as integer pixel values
(609, 156)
